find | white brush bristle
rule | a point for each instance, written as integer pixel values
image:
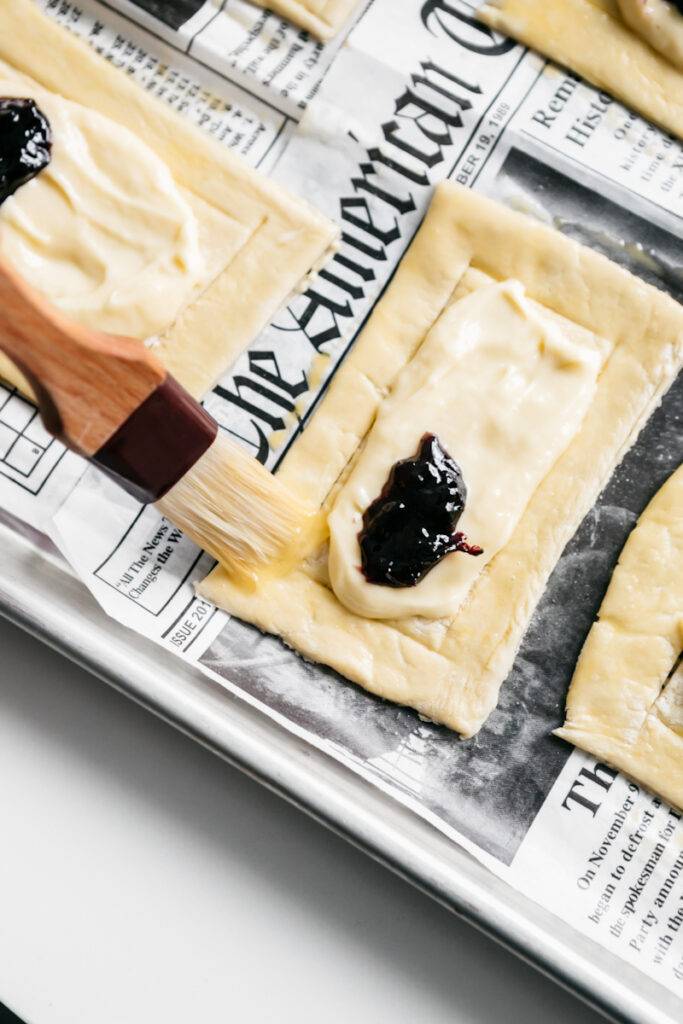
(235, 509)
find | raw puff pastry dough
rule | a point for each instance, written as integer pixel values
(324, 18)
(272, 240)
(592, 38)
(659, 23)
(617, 708)
(451, 670)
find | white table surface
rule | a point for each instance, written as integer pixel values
(143, 880)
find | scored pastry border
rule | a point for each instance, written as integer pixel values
(587, 37)
(612, 702)
(461, 663)
(287, 236)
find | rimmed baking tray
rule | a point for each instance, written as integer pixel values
(39, 594)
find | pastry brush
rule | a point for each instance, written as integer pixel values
(109, 398)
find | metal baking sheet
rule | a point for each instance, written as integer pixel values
(39, 594)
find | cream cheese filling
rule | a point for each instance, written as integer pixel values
(504, 384)
(659, 23)
(103, 231)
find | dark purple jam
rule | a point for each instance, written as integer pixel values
(412, 525)
(25, 143)
(678, 4)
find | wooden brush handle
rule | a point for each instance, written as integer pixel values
(87, 383)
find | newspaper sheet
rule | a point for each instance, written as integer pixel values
(364, 128)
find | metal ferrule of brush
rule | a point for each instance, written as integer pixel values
(158, 443)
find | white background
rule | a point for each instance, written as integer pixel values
(143, 880)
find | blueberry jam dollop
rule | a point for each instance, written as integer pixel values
(678, 4)
(412, 525)
(25, 143)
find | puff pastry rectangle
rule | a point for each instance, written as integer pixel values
(324, 18)
(591, 38)
(451, 670)
(625, 703)
(270, 238)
